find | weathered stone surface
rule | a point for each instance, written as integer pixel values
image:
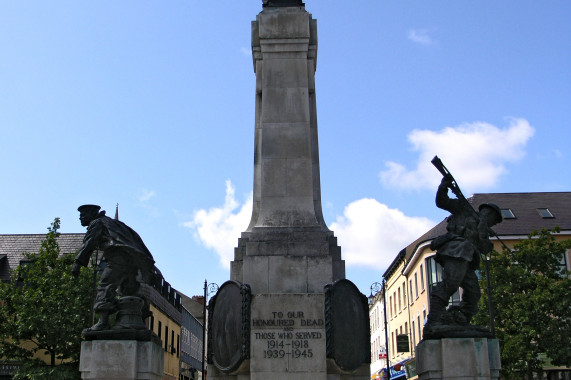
(287, 254)
(126, 359)
(283, 23)
(458, 358)
(288, 335)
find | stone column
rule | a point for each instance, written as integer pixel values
(287, 248)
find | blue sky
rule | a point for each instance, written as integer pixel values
(150, 104)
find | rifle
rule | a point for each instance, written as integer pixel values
(437, 162)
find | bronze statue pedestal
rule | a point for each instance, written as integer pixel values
(458, 358)
(121, 360)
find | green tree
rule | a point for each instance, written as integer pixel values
(43, 311)
(531, 294)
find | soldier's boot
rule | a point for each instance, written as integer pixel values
(102, 323)
(468, 311)
(437, 307)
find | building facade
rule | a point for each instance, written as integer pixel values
(165, 303)
(414, 272)
(378, 337)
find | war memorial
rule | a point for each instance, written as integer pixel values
(287, 312)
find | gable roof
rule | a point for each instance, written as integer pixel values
(523, 205)
(13, 247)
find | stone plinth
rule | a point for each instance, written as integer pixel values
(121, 360)
(458, 358)
(288, 341)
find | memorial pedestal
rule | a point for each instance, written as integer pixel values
(458, 358)
(121, 360)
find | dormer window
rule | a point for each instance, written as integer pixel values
(507, 213)
(545, 213)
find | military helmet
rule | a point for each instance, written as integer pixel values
(89, 208)
(494, 207)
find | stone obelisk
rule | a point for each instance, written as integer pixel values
(288, 312)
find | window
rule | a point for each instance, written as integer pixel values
(391, 305)
(404, 293)
(421, 278)
(159, 329)
(545, 213)
(166, 338)
(418, 325)
(435, 277)
(413, 334)
(393, 343)
(416, 284)
(410, 290)
(507, 213)
(400, 306)
(563, 262)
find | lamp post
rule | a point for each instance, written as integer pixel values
(487, 259)
(386, 329)
(376, 287)
(208, 289)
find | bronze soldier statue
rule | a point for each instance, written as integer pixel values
(458, 252)
(126, 257)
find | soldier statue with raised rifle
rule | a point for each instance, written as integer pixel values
(458, 252)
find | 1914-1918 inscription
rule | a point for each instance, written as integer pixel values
(292, 341)
(288, 331)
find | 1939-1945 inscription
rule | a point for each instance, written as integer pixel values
(287, 335)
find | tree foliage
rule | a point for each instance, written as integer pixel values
(531, 294)
(42, 313)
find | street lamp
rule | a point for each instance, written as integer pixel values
(208, 289)
(487, 259)
(386, 328)
(375, 288)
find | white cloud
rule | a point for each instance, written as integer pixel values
(420, 36)
(475, 153)
(372, 234)
(219, 228)
(246, 51)
(144, 195)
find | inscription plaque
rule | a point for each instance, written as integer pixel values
(287, 332)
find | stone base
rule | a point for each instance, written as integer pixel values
(458, 358)
(121, 360)
(288, 342)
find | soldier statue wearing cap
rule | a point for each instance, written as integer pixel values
(125, 255)
(458, 252)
